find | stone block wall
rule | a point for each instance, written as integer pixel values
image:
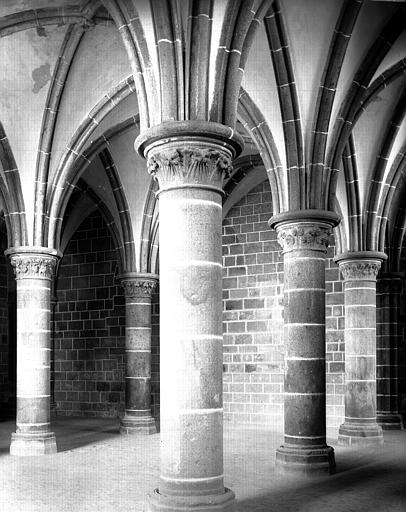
(5, 385)
(253, 318)
(252, 313)
(89, 325)
(335, 347)
(155, 353)
(402, 340)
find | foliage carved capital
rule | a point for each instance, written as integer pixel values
(33, 266)
(304, 237)
(359, 270)
(138, 287)
(190, 165)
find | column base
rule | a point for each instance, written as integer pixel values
(134, 425)
(215, 502)
(308, 461)
(360, 434)
(31, 444)
(389, 421)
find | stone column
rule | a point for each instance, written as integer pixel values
(34, 269)
(304, 237)
(189, 160)
(359, 270)
(387, 337)
(138, 289)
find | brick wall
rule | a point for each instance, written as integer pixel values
(155, 353)
(253, 318)
(252, 313)
(5, 385)
(335, 348)
(402, 340)
(89, 325)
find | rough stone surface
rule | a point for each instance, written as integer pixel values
(253, 358)
(89, 325)
(360, 425)
(101, 466)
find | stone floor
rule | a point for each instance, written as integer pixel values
(98, 470)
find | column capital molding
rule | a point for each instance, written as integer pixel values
(138, 285)
(33, 262)
(304, 229)
(192, 154)
(360, 265)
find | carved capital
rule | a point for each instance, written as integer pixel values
(139, 286)
(190, 165)
(33, 265)
(360, 270)
(304, 236)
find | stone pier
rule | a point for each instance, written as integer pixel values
(304, 236)
(34, 269)
(359, 270)
(138, 289)
(189, 161)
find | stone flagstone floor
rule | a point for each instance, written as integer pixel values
(99, 470)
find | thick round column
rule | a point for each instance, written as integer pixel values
(304, 238)
(359, 270)
(33, 271)
(190, 174)
(138, 289)
(387, 337)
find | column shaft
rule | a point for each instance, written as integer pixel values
(359, 274)
(190, 170)
(191, 342)
(33, 435)
(304, 243)
(138, 289)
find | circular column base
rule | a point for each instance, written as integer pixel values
(215, 502)
(389, 421)
(359, 434)
(133, 425)
(31, 444)
(308, 461)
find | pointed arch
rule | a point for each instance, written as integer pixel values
(148, 229)
(76, 158)
(68, 49)
(350, 168)
(324, 104)
(129, 260)
(127, 20)
(377, 184)
(11, 193)
(255, 124)
(344, 122)
(83, 189)
(289, 106)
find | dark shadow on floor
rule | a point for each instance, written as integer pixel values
(361, 485)
(71, 432)
(76, 432)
